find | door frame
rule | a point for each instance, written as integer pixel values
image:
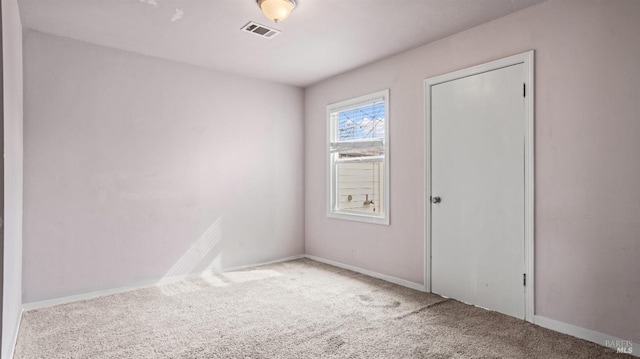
(526, 58)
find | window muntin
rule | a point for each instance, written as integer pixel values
(357, 158)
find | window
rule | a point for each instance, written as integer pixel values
(357, 152)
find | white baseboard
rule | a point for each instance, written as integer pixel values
(286, 259)
(141, 285)
(14, 340)
(583, 333)
(388, 278)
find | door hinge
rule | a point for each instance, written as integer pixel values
(524, 90)
(524, 279)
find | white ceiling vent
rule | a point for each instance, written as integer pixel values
(260, 30)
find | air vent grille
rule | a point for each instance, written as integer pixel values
(260, 30)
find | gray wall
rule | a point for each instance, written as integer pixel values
(12, 91)
(138, 168)
(587, 241)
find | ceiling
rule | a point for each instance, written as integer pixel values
(321, 38)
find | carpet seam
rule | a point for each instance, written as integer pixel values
(422, 309)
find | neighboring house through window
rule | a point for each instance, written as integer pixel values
(358, 152)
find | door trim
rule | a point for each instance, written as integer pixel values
(526, 58)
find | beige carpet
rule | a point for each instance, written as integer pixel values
(297, 309)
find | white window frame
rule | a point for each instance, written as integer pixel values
(331, 194)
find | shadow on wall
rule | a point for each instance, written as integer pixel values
(171, 284)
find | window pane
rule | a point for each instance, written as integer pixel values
(360, 187)
(362, 123)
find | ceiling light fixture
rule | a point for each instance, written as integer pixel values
(276, 10)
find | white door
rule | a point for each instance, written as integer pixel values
(478, 173)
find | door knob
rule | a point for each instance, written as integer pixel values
(435, 199)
